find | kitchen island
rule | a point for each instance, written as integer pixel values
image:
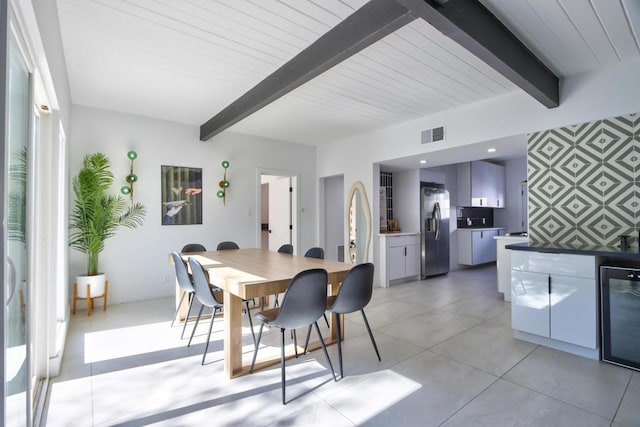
(503, 262)
(630, 254)
(555, 293)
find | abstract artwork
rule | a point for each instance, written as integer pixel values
(181, 195)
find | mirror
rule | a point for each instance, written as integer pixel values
(358, 224)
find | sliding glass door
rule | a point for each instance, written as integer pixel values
(17, 351)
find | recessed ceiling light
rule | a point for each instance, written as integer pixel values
(491, 150)
(423, 162)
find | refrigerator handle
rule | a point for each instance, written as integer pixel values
(437, 220)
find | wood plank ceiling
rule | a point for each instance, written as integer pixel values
(185, 61)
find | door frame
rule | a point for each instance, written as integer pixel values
(295, 204)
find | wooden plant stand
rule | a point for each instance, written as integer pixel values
(89, 298)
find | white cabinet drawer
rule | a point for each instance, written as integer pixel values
(396, 241)
(412, 240)
(550, 263)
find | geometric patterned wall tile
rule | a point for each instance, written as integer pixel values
(596, 185)
(626, 158)
(591, 138)
(584, 182)
(584, 166)
(619, 193)
(585, 213)
(536, 143)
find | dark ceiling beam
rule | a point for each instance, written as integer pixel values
(367, 25)
(476, 29)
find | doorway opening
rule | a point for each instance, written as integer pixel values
(278, 207)
(332, 218)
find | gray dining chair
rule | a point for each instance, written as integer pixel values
(207, 296)
(185, 282)
(315, 252)
(303, 304)
(286, 249)
(354, 294)
(223, 246)
(204, 293)
(193, 247)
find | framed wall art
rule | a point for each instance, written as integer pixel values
(181, 195)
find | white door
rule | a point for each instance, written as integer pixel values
(279, 212)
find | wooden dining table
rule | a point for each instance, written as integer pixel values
(256, 273)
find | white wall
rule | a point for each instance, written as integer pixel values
(136, 261)
(510, 216)
(610, 92)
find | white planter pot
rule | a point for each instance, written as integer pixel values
(96, 284)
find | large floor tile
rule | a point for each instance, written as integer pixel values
(480, 306)
(422, 391)
(588, 384)
(316, 415)
(629, 410)
(490, 347)
(507, 404)
(390, 312)
(435, 296)
(70, 400)
(429, 329)
(359, 356)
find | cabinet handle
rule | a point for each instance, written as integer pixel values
(498, 202)
(482, 234)
(549, 284)
(405, 251)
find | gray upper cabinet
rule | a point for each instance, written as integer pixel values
(481, 184)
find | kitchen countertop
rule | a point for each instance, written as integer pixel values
(481, 228)
(401, 233)
(608, 251)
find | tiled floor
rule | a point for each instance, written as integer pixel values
(448, 358)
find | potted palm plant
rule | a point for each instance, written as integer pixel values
(95, 216)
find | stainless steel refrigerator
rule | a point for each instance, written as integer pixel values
(434, 226)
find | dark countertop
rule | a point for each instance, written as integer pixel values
(607, 251)
(480, 228)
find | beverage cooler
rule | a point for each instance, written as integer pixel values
(620, 315)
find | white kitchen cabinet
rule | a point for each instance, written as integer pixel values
(400, 257)
(477, 246)
(481, 184)
(554, 296)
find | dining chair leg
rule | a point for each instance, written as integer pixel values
(325, 319)
(196, 325)
(306, 341)
(186, 319)
(177, 309)
(253, 334)
(339, 344)
(206, 347)
(373, 341)
(324, 348)
(282, 359)
(295, 341)
(255, 352)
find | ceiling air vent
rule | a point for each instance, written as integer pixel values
(433, 135)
